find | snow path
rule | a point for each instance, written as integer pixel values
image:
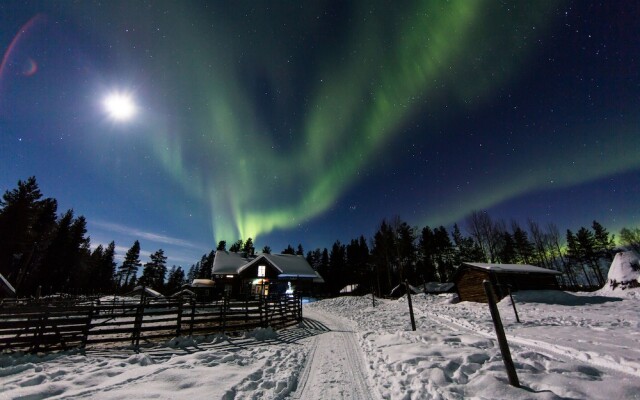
(593, 358)
(335, 367)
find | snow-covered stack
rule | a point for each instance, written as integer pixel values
(624, 272)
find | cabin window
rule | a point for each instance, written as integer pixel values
(261, 270)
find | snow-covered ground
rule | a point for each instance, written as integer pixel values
(577, 346)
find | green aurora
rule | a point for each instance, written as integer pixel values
(357, 96)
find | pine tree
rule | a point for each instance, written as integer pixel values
(222, 246)
(175, 280)
(382, 255)
(155, 270)
(65, 264)
(444, 254)
(574, 255)
(523, 246)
(237, 246)
(300, 250)
(206, 266)
(465, 248)
(102, 269)
(27, 225)
(589, 255)
(129, 267)
(289, 250)
(248, 247)
(507, 251)
(427, 255)
(337, 264)
(604, 243)
(193, 272)
(266, 250)
(108, 268)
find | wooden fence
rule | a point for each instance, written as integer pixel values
(38, 327)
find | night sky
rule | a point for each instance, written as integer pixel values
(306, 122)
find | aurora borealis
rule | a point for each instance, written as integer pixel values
(308, 122)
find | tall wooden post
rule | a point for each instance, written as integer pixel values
(513, 303)
(502, 339)
(413, 320)
(373, 297)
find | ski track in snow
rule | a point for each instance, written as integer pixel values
(335, 367)
(540, 346)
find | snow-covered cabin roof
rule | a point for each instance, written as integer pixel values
(512, 268)
(437, 287)
(147, 290)
(226, 262)
(288, 265)
(206, 283)
(6, 289)
(184, 293)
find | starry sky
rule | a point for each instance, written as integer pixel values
(310, 122)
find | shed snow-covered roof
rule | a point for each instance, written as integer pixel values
(513, 268)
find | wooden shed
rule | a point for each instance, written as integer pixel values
(469, 277)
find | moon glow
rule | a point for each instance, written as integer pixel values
(119, 106)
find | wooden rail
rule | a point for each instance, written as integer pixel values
(38, 327)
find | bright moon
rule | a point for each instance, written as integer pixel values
(120, 106)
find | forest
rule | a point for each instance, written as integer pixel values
(43, 252)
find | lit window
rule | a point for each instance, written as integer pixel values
(261, 270)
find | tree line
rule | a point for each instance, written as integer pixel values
(41, 250)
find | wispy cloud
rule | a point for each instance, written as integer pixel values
(142, 235)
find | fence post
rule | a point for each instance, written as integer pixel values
(137, 324)
(179, 319)
(85, 338)
(246, 309)
(223, 310)
(260, 310)
(502, 339)
(413, 320)
(193, 316)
